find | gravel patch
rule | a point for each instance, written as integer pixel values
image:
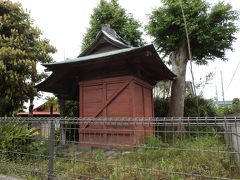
(3, 177)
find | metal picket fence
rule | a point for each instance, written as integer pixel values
(120, 148)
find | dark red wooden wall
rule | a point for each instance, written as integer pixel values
(125, 96)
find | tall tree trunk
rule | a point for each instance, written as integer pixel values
(179, 59)
(30, 108)
(32, 94)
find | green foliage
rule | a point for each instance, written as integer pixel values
(211, 32)
(113, 14)
(211, 29)
(153, 141)
(17, 137)
(206, 107)
(21, 48)
(51, 101)
(223, 110)
(161, 106)
(236, 101)
(236, 105)
(71, 109)
(183, 159)
(229, 110)
(195, 158)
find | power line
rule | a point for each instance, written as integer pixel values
(233, 75)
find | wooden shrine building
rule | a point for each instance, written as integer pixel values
(109, 79)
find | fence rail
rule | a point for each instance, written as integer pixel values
(120, 148)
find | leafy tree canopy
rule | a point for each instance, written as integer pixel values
(113, 14)
(21, 47)
(211, 29)
(236, 101)
(211, 32)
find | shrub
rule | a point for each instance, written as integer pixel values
(206, 107)
(161, 106)
(17, 136)
(229, 109)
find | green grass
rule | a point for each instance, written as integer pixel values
(183, 159)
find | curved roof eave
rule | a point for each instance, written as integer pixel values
(91, 57)
(111, 40)
(100, 56)
(160, 61)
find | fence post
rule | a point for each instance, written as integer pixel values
(237, 144)
(62, 131)
(51, 151)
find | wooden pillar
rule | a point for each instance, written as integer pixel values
(51, 110)
(30, 109)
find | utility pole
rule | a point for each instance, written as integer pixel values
(216, 94)
(222, 88)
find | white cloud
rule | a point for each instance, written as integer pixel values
(64, 22)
